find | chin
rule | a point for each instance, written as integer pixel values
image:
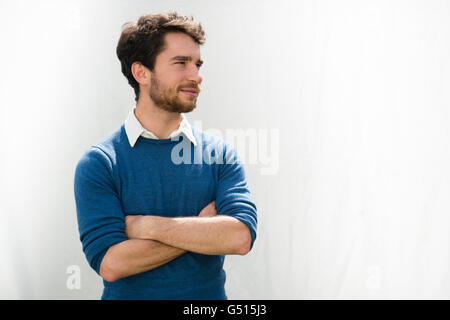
(188, 109)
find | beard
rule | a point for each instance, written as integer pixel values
(168, 99)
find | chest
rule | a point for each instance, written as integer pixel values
(164, 189)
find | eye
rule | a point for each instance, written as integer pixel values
(198, 65)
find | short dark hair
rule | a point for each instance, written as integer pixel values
(143, 40)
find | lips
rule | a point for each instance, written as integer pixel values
(192, 92)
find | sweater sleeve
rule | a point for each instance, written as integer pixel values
(99, 212)
(233, 197)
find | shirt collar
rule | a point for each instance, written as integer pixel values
(134, 129)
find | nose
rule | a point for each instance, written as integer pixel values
(194, 76)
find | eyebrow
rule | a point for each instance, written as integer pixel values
(185, 58)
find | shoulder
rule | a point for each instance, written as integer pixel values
(205, 138)
(103, 153)
(113, 142)
(215, 144)
(209, 139)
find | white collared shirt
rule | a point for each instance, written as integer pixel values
(134, 129)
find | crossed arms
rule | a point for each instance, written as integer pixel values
(118, 245)
(154, 241)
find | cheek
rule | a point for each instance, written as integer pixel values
(177, 79)
(172, 83)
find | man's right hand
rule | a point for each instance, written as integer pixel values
(209, 211)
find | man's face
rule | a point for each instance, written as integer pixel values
(175, 80)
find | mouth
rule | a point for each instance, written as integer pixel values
(190, 92)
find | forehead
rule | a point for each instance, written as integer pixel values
(179, 44)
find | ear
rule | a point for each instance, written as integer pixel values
(140, 73)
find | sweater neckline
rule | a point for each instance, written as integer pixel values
(168, 141)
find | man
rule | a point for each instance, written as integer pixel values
(153, 223)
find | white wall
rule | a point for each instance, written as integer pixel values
(354, 95)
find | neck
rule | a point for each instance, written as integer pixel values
(161, 122)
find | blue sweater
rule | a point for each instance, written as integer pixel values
(113, 179)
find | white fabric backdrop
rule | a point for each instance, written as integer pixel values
(354, 99)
